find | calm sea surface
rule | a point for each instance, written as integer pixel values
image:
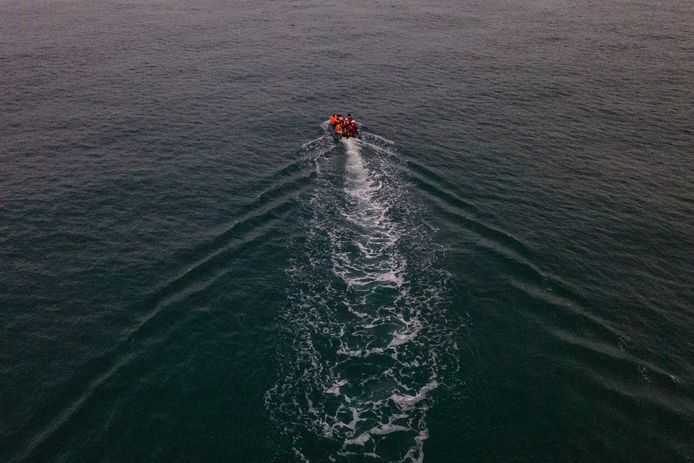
(501, 269)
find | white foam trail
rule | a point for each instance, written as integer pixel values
(363, 368)
(388, 429)
(361, 439)
(335, 389)
(358, 184)
(406, 402)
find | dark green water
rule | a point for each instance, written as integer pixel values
(499, 270)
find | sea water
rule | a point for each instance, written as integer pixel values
(499, 269)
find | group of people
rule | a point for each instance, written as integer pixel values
(345, 126)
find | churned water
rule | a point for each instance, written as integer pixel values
(499, 269)
(367, 337)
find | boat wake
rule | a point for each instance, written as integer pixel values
(367, 343)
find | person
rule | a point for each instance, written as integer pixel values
(353, 128)
(338, 127)
(352, 124)
(333, 120)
